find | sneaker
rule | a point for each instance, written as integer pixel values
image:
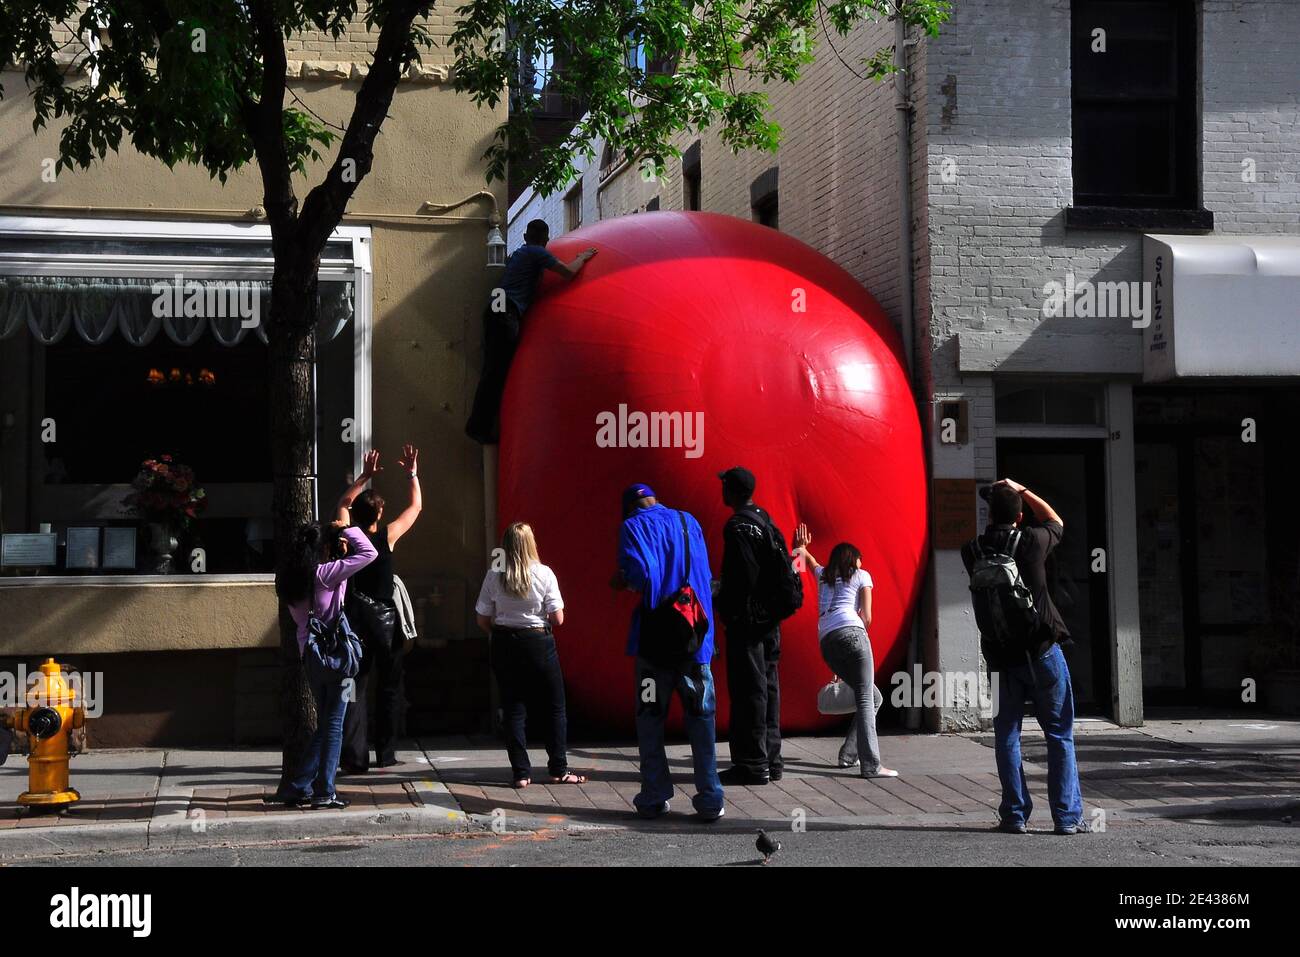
(881, 773)
(1081, 827)
(1011, 827)
(650, 813)
(709, 817)
(331, 803)
(742, 777)
(848, 764)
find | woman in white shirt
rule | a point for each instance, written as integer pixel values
(843, 617)
(519, 602)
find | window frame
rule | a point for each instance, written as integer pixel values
(573, 208)
(692, 179)
(765, 197)
(358, 271)
(1183, 209)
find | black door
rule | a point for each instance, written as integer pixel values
(1202, 559)
(1070, 475)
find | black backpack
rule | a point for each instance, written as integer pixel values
(779, 592)
(1004, 606)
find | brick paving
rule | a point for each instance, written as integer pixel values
(812, 784)
(943, 778)
(940, 776)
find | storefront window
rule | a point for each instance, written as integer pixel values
(1022, 404)
(133, 407)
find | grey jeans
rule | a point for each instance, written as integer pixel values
(848, 652)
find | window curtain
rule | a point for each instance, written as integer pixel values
(52, 306)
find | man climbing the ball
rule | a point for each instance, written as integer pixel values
(502, 318)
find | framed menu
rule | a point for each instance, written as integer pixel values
(119, 548)
(29, 550)
(83, 548)
(956, 511)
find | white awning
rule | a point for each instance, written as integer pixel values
(1221, 306)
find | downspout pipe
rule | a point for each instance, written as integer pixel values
(903, 145)
(903, 137)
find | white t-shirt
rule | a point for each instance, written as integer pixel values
(506, 610)
(837, 605)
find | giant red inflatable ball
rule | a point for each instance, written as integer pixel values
(794, 372)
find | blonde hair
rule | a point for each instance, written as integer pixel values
(521, 554)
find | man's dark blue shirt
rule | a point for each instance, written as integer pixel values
(523, 272)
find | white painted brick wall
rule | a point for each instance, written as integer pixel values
(838, 185)
(998, 104)
(997, 100)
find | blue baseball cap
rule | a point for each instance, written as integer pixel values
(634, 492)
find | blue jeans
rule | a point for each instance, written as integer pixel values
(848, 652)
(320, 762)
(1048, 687)
(654, 691)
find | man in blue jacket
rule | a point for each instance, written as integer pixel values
(652, 557)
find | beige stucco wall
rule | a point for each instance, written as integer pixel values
(430, 281)
(88, 619)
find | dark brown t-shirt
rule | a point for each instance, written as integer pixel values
(1036, 543)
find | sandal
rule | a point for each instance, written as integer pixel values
(570, 777)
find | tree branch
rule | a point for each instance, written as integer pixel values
(324, 206)
(265, 120)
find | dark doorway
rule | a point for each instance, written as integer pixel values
(1070, 475)
(1217, 557)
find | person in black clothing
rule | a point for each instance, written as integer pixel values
(376, 624)
(502, 318)
(1037, 672)
(753, 640)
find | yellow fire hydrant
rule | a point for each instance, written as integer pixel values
(52, 713)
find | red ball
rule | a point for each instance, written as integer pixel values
(796, 374)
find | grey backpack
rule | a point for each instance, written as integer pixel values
(1004, 605)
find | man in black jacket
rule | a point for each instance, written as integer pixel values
(753, 641)
(1039, 672)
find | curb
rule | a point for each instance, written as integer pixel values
(1208, 808)
(970, 820)
(679, 822)
(171, 829)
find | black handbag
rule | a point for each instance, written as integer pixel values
(375, 623)
(332, 651)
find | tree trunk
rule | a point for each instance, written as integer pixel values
(291, 334)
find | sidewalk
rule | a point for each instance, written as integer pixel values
(138, 799)
(1169, 768)
(152, 798)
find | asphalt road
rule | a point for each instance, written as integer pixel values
(1252, 840)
